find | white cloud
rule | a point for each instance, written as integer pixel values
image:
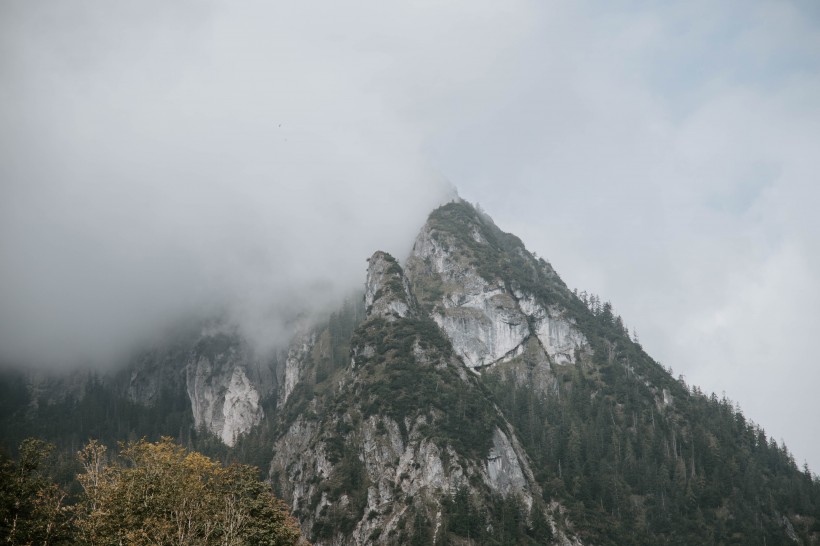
(155, 163)
(662, 157)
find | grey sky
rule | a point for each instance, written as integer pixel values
(159, 157)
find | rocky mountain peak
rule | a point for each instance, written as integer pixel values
(494, 300)
(468, 398)
(386, 291)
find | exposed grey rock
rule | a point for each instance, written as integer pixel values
(223, 399)
(386, 294)
(487, 322)
(240, 410)
(557, 332)
(504, 472)
(295, 366)
(405, 469)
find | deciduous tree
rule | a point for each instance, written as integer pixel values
(160, 493)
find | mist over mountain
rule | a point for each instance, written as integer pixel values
(173, 160)
(141, 188)
(467, 396)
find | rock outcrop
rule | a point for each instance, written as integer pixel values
(462, 273)
(386, 292)
(224, 400)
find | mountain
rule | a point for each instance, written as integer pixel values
(469, 397)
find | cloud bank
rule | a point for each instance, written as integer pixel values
(159, 160)
(183, 158)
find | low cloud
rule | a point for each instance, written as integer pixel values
(181, 160)
(177, 158)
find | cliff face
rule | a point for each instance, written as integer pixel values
(224, 382)
(223, 399)
(379, 453)
(479, 285)
(386, 292)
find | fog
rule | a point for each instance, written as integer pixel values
(175, 160)
(165, 160)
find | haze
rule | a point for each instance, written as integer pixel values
(165, 159)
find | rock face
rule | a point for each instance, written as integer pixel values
(386, 294)
(240, 410)
(482, 320)
(294, 369)
(557, 333)
(460, 271)
(223, 399)
(504, 473)
(393, 451)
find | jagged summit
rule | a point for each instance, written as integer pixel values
(494, 300)
(386, 293)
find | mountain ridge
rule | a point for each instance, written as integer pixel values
(470, 397)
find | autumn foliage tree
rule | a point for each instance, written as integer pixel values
(160, 493)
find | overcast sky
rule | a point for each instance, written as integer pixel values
(158, 159)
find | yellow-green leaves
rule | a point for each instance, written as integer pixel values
(161, 494)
